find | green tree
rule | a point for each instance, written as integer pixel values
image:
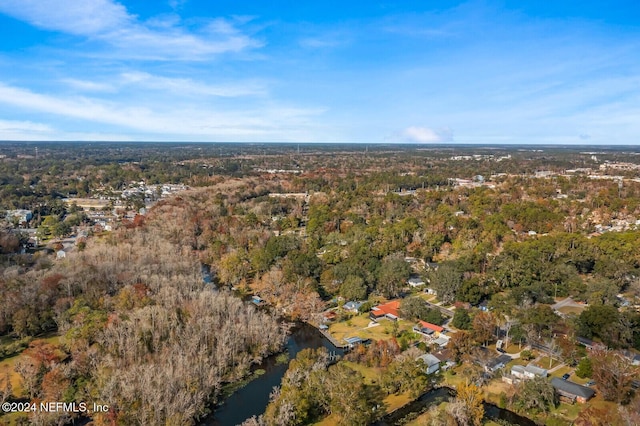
(535, 395)
(584, 368)
(415, 308)
(353, 288)
(394, 272)
(446, 281)
(461, 319)
(405, 376)
(606, 323)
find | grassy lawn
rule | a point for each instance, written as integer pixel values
(453, 377)
(358, 326)
(393, 402)
(513, 349)
(429, 297)
(493, 390)
(8, 364)
(576, 310)
(331, 420)
(370, 374)
(578, 380)
(562, 371)
(546, 362)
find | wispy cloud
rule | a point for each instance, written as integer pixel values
(269, 121)
(109, 22)
(186, 86)
(323, 41)
(24, 130)
(88, 86)
(174, 86)
(426, 135)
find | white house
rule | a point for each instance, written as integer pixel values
(415, 282)
(528, 372)
(432, 363)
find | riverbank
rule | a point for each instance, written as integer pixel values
(253, 398)
(441, 394)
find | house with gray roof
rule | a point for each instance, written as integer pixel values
(431, 362)
(572, 392)
(528, 372)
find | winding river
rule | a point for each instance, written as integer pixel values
(253, 398)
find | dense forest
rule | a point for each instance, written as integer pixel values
(125, 319)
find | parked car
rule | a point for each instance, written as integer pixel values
(566, 376)
(591, 383)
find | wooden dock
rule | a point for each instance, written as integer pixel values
(332, 339)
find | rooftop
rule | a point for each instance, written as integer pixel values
(389, 308)
(572, 388)
(428, 325)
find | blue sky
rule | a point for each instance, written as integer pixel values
(531, 72)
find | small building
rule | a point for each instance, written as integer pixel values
(428, 329)
(446, 359)
(22, 216)
(388, 310)
(431, 362)
(497, 363)
(352, 342)
(415, 282)
(571, 392)
(329, 316)
(352, 306)
(589, 344)
(442, 341)
(528, 372)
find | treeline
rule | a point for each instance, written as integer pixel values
(296, 254)
(140, 330)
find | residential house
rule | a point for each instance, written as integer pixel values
(22, 216)
(589, 344)
(429, 290)
(444, 355)
(431, 362)
(571, 392)
(428, 329)
(497, 363)
(388, 310)
(442, 340)
(528, 372)
(415, 282)
(352, 306)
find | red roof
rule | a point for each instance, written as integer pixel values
(430, 326)
(389, 308)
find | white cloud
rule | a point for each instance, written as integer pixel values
(24, 130)
(193, 122)
(109, 22)
(427, 135)
(86, 17)
(88, 86)
(186, 86)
